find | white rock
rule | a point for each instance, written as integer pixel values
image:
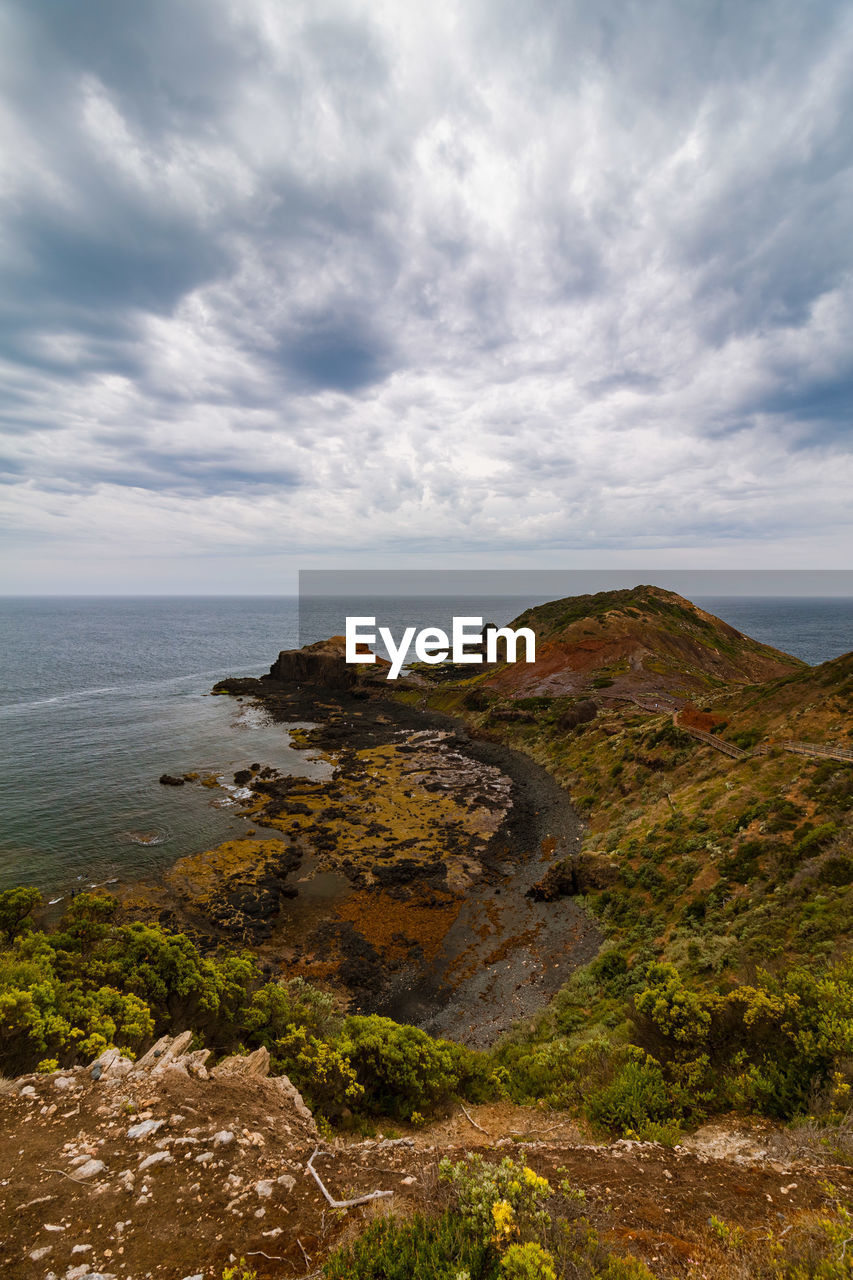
(156, 1157)
(199, 1275)
(52, 1226)
(144, 1127)
(111, 1066)
(204, 1157)
(90, 1169)
(63, 1082)
(38, 1254)
(286, 1181)
(263, 1189)
(253, 1064)
(82, 1248)
(222, 1138)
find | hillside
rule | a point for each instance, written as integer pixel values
(728, 857)
(717, 858)
(165, 1170)
(640, 642)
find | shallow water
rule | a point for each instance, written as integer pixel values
(101, 697)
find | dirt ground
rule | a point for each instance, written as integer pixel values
(229, 1179)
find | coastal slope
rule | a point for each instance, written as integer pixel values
(645, 641)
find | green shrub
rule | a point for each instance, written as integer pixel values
(324, 1076)
(816, 839)
(43, 1016)
(277, 1006)
(16, 908)
(497, 1200)
(637, 1097)
(768, 1047)
(527, 1262)
(400, 1068)
(442, 1248)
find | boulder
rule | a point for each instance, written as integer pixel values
(110, 1066)
(254, 1064)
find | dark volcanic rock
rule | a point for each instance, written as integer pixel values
(321, 666)
(574, 875)
(242, 685)
(167, 780)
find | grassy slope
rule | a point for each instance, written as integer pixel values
(718, 865)
(642, 640)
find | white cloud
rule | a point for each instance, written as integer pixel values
(383, 281)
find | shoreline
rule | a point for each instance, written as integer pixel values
(433, 929)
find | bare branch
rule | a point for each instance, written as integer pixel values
(472, 1121)
(341, 1204)
(79, 1181)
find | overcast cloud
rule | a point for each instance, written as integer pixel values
(374, 283)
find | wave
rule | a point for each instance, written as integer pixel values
(12, 707)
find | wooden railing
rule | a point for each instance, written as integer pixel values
(816, 749)
(663, 704)
(727, 748)
(822, 750)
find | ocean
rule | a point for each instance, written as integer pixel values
(100, 696)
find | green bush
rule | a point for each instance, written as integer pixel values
(637, 1097)
(768, 1047)
(324, 1076)
(401, 1069)
(278, 1006)
(498, 1200)
(442, 1248)
(16, 908)
(43, 1015)
(527, 1262)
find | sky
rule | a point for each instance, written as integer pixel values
(383, 285)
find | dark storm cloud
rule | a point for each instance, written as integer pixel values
(486, 275)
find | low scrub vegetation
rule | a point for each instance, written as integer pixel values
(94, 982)
(505, 1221)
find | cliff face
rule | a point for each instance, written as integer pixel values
(641, 642)
(322, 665)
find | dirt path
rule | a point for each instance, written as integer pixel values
(219, 1171)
